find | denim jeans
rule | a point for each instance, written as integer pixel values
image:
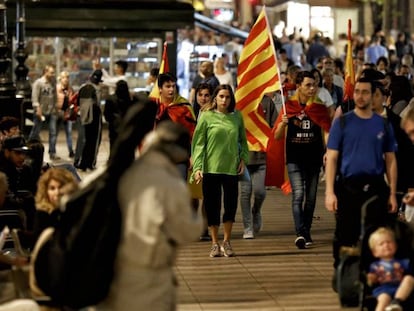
(52, 120)
(304, 181)
(67, 126)
(252, 182)
(35, 131)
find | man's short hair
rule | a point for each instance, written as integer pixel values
(123, 64)
(166, 77)
(302, 75)
(367, 80)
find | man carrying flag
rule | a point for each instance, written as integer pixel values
(300, 133)
(258, 78)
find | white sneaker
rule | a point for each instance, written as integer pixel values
(248, 234)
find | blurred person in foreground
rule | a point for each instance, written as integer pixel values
(407, 123)
(157, 218)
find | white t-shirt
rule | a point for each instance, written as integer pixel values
(326, 98)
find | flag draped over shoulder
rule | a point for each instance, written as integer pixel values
(276, 174)
(164, 67)
(349, 69)
(257, 74)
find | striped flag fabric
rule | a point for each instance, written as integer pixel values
(349, 68)
(164, 67)
(257, 74)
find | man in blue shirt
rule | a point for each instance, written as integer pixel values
(365, 145)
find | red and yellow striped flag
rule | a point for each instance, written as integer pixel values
(257, 74)
(349, 69)
(164, 67)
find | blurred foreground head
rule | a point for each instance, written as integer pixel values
(170, 138)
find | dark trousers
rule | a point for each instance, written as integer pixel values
(93, 132)
(352, 195)
(213, 187)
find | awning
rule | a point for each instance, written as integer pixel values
(101, 18)
(211, 24)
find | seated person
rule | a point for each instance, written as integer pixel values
(11, 219)
(52, 185)
(388, 275)
(21, 182)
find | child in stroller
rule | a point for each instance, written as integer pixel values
(389, 276)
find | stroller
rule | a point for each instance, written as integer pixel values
(353, 290)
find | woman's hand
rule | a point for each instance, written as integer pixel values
(240, 169)
(198, 176)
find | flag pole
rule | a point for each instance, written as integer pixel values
(277, 64)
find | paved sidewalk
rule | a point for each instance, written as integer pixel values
(267, 274)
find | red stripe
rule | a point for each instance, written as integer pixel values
(244, 64)
(257, 28)
(258, 70)
(254, 93)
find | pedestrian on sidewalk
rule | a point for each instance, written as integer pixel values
(253, 182)
(304, 127)
(219, 154)
(44, 101)
(64, 93)
(360, 150)
(91, 121)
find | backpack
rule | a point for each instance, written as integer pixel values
(75, 266)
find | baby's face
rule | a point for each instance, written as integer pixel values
(385, 247)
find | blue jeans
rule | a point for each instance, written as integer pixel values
(304, 181)
(53, 120)
(253, 182)
(67, 126)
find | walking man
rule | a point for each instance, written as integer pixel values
(360, 149)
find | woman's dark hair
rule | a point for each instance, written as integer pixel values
(313, 71)
(384, 60)
(204, 86)
(227, 87)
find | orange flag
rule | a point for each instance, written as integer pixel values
(164, 67)
(349, 69)
(257, 74)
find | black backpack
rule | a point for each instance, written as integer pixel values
(75, 267)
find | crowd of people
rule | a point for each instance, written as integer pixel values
(364, 144)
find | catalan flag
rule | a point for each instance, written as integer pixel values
(164, 67)
(257, 74)
(349, 69)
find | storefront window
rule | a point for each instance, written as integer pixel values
(76, 56)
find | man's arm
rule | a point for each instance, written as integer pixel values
(331, 203)
(37, 109)
(109, 80)
(391, 172)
